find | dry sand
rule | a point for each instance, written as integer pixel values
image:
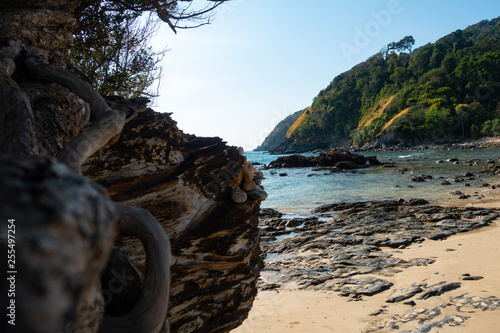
(476, 253)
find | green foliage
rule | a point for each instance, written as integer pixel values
(452, 86)
(112, 47)
(491, 127)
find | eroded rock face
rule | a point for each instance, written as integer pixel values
(185, 182)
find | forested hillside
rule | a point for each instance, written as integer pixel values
(278, 134)
(442, 91)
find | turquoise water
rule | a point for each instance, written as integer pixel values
(297, 193)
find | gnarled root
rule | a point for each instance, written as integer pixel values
(109, 122)
(149, 314)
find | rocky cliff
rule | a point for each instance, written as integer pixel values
(186, 182)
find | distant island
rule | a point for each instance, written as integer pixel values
(441, 92)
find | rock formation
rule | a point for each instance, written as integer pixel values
(186, 183)
(341, 158)
(73, 276)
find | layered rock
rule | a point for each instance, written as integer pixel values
(186, 182)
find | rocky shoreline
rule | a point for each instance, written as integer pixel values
(350, 249)
(377, 146)
(487, 142)
(341, 159)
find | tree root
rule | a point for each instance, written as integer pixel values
(149, 314)
(109, 122)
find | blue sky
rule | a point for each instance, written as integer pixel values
(261, 60)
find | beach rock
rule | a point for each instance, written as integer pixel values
(248, 185)
(269, 212)
(373, 161)
(347, 165)
(419, 319)
(403, 294)
(257, 194)
(472, 278)
(368, 286)
(417, 202)
(238, 195)
(421, 178)
(331, 158)
(344, 239)
(248, 171)
(258, 176)
(417, 179)
(441, 290)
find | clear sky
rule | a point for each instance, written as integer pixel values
(261, 60)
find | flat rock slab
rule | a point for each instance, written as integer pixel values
(342, 240)
(368, 286)
(441, 290)
(403, 294)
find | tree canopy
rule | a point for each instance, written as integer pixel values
(447, 89)
(112, 43)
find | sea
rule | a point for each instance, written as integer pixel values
(303, 189)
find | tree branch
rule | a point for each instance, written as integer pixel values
(91, 140)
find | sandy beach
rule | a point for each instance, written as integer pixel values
(476, 253)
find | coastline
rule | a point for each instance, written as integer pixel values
(313, 311)
(475, 252)
(484, 142)
(481, 143)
